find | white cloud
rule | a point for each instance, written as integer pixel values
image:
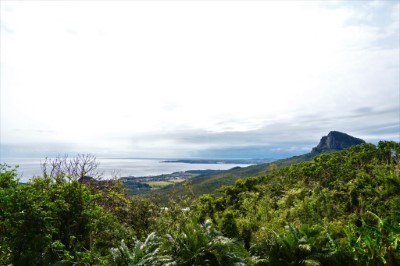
(98, 74)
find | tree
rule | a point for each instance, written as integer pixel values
(55, 219)
(228, 225)
(76, 168)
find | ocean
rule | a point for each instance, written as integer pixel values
(121, 167)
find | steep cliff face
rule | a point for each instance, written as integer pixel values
(336, 141)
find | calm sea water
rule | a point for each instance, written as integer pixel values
(29, 167)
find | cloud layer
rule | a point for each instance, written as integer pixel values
(196, 79)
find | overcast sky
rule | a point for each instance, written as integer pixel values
(196, 78)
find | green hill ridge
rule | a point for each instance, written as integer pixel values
(209, 183)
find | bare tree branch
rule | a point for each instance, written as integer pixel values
(83, 165)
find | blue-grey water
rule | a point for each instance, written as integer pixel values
(29, 167)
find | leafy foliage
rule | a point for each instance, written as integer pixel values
(148, 252)
(340, 208)
(201, 244)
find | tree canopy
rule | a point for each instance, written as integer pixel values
(340, 208)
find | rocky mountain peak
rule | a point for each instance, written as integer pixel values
(336, 141)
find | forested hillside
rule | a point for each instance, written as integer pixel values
(340, 208)
(208, 183)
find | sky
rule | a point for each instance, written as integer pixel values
(198, 79)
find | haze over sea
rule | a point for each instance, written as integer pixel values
(29, 167)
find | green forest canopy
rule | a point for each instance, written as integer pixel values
(340, 208)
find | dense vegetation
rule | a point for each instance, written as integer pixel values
(340, 208)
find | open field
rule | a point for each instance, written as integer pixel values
(160, 184)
